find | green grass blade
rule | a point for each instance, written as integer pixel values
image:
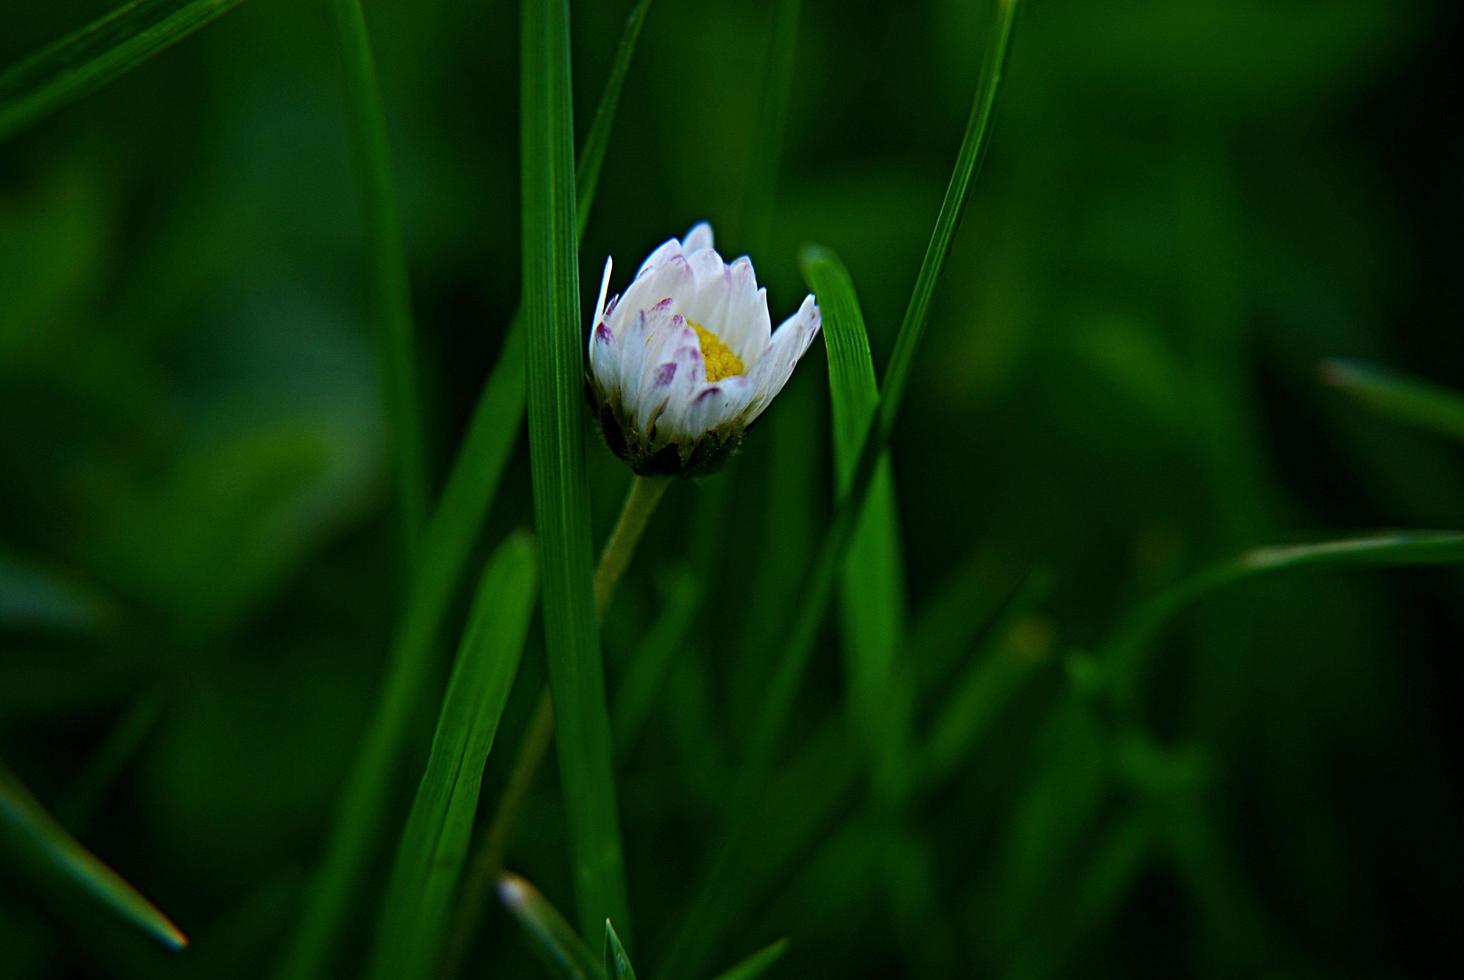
(958, 194)
(597, 140)
(1407, 399)
(391, 301)
(448, 543)
(561, 947)
(757, 964)
(89, 58)
(617, 964)
(1123, 657)
(471, 486)
(557, 462)
(762, 182)
(37, 835)
(783, 689)
(872, 588)
(438, 832)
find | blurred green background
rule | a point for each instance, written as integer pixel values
(1187, 205)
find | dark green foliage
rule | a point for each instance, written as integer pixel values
(97, 53)
(1043, 626)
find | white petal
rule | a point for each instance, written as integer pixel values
(743, 323)
(662, 254)
(605, 358)
(663, 332)
(707, 268)
(713, 405)
(604, 288)
(707, 302)
(672, 278)
(775, 366)
(698, 238)
(671, 381)
(654, 327)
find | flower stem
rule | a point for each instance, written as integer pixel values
(640, 503)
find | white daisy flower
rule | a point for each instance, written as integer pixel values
(686, 359)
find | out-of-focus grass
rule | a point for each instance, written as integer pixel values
(1115, 765)
(97, 53)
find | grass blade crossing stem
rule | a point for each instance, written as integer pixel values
(557, 460)
(471, 486)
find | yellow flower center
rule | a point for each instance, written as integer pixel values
(721, 362)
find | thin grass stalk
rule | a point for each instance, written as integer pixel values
(390, 291)
(761, 195)
(592, 157)
(782, 691)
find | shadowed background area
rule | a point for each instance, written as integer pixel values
(1188, 205)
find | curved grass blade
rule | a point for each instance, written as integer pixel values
(558, 943)
(89, 58)
(1123, 658)
(1412, 400)
(872, 588)
(757, 964)
(434, 843)
(391, 300)
(617, 964)
(37, 834)
(471, 486)
(557, 463)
